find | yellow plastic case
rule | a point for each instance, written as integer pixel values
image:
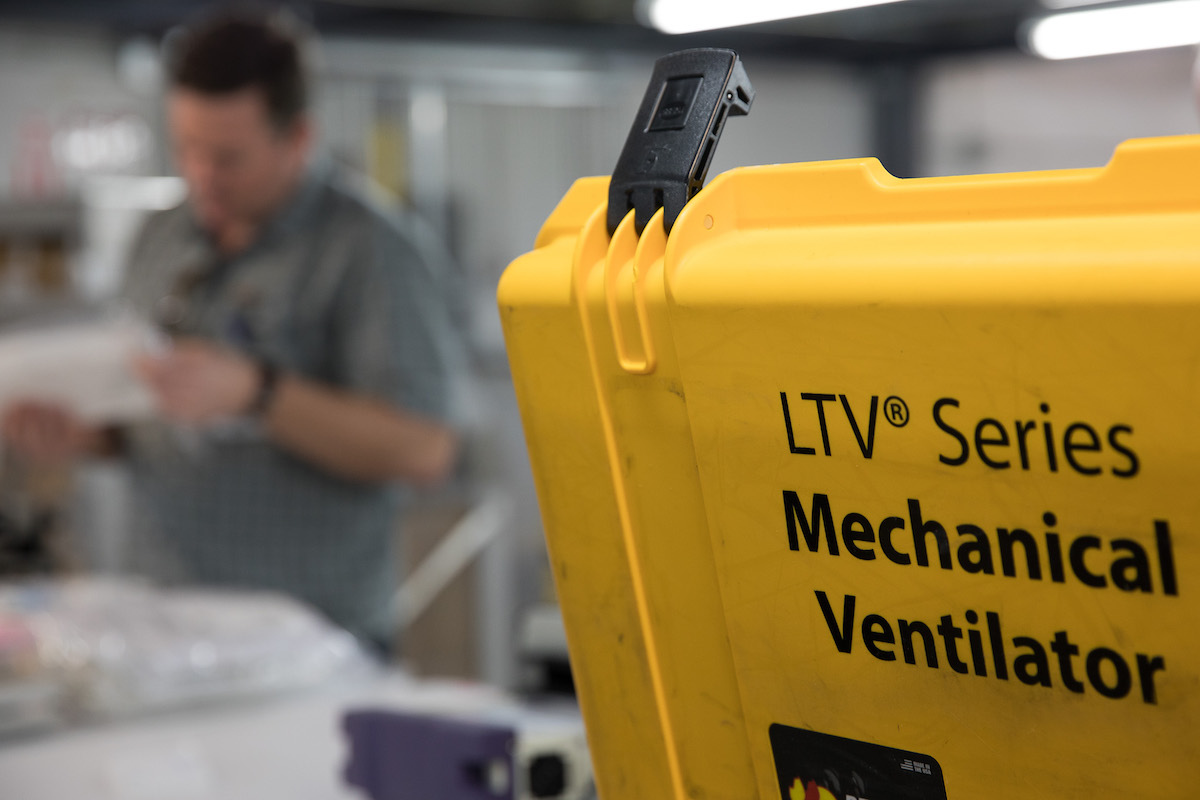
(860, 487)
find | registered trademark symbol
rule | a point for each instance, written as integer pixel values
(895, 411)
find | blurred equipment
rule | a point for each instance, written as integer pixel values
(37, 239)
(458, 548)
(469, 753)
(542, 649)
(25, 542)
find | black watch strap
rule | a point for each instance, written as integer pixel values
(268, 382)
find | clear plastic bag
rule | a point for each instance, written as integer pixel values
(117, 647)
(29, 698)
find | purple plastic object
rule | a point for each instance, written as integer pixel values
(396, 755)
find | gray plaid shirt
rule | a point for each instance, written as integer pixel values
(335, 290)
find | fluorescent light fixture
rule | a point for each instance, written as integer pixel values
(1059, 4)
(1118, 29)
(688, 16)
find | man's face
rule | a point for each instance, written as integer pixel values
(238, 166)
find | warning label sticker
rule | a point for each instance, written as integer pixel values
(817, 766)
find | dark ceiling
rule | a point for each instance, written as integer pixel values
(912, 29)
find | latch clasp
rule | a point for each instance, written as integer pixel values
(669, 148)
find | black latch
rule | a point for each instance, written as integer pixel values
(672, 140)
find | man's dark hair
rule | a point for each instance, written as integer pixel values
(233, 51)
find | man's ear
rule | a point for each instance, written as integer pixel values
(300, 135)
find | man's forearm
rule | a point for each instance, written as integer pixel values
(358, 438)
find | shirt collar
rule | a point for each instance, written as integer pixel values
(295, 214)
(297, 211)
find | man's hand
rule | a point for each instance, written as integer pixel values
(197, 382)
(46, 433)
(353, 436)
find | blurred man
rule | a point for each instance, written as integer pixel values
(311, 356)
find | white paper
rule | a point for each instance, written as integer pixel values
(84, 367)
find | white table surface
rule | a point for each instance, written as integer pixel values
(288, 746)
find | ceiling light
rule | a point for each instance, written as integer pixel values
(1119, 29)
(687, 16)
(1059, 4)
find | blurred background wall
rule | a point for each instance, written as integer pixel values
(1010, 112)
(482, 131)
